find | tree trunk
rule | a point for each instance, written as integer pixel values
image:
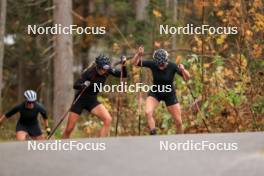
(21, 82)
(174, 18)
(167, 2)
(141, 11)
(48, 92)
(63, 61)
(88, 7)
(48, 88)
(2, 33)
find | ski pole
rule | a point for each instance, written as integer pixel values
(140, 99)
(119, 103)
(65, 114)
(194, 99)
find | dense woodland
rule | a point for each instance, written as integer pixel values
(227, 70)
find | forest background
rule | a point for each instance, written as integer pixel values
(227, 70)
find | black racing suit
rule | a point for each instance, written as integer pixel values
(163, 81)
(88, 99)
(28, 120)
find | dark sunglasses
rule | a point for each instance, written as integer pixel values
(163, 65)
(30, 102)
(105, 67)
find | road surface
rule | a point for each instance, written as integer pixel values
(138, 156)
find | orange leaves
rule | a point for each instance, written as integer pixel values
(257, 4)
(198, 44)
(231, 119)
(259, 22)
(229, 73)
(178, 59)
(217, 3)
(198, 40)
(243, 62)
(202, 3)
(194, 49)
(224, 20)
(207, 65)
(257, 51)
(221, 39)
(156, 13)
(248, 34)
(220, 13)
(91, 128)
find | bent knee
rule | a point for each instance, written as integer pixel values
(107, 120)
(148, 112)
(21, 138)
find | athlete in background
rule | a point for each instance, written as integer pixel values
(28, 124)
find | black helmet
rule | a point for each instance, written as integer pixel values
(103, 62)
(160, 56)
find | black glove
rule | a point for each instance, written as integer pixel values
(123, 60)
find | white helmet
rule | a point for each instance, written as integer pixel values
(30, 95)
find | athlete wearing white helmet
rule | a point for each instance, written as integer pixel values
(28, 122)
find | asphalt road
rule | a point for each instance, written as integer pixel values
(139, 156)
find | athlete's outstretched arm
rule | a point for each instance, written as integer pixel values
(46, 122)
(46, 125)
(43, 113)
(79, 84)
(9, 113)
(117, 72)
(12, 111)
(185, 73)
(135, 60)
(2, 118)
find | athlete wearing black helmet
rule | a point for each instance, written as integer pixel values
(28, 122)
(163, 72)
(94, 75)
